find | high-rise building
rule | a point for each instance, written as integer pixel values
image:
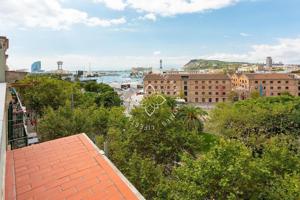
(160, 64)
(3, 57)
(36, 67)
(269, 62)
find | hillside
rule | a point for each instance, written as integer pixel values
(198, 64)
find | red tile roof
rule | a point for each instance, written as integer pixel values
(67, 168)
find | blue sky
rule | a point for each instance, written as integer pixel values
(120, 34)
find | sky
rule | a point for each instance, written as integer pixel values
(120, 34)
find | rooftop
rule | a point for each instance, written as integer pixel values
(270, 76)
(66, 168)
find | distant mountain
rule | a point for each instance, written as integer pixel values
(198, 64)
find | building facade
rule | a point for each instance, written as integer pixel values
(193, 87)
(214, 88)
(273, 84)
(3, 57)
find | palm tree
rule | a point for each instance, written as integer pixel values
(192, 117)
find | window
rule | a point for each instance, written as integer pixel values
(149, 87)
(264, 82)
(278, 81)
(168, 81)
(149, 82)
(174, 93)
(196, 82)
(155, 87)
(185, 87)
(286, 82)
(224, 93)
(217, 99)
(209, 81)
(224, 99)
(149, 92)
(203, 100)
(203, 87)
(174, 87)
(174, 81)
(161, 81)
(271, 87)
(286, 88)
(203, 81)
(279, 94)
(271, 82)
(217, 93)
(161, 87)
(217, 87)
(209, 93)
(209, 87)
(256, 82)
(196, 87)
(223, 81)
(168, 87)
(209, 100)
(185, 93)
(168, 92)
(196, 93)
(185, 82)
(196, 100)
(155, 81)
(279, 88)
(217, 82)
(272, 94)
(203, 93)
(163, 92)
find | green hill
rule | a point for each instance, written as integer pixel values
(198, 64)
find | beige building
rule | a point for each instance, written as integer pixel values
(213, 88)
(273, 84)
(3, 57)
(193, 87)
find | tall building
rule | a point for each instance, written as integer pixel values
(161, 64)
(36, 67)
(3, 57)
(269, 62)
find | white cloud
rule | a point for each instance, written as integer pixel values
(286, 50)
(113, 4)
(245, 34)
(168, 7)
(47, 14)
(149, 16)
(156, 53)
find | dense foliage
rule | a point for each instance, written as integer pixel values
(254, 121)
(253, 152)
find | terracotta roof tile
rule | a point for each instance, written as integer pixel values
(67, 168)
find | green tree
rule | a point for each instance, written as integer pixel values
(254, 121)
(229, 171)
(192, 117)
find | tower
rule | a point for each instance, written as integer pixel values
(3, 57)
(269, 62)
(161, 64)
(59, 65)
